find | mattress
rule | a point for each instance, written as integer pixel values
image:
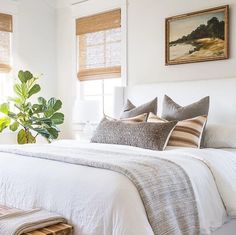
(81, 194)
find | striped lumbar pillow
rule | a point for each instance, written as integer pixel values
(187, 133)
(139, 118)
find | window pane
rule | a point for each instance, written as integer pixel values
(95, 57)
(110, 84)
(95, 38)
(100, 49)
(5, 47)
(113, 54)
(108, 105)
(6, 84)
(97, 98)
(92, 88)
(113, 35)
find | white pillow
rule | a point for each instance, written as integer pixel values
(220, 136)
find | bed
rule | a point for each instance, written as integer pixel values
(100, 201)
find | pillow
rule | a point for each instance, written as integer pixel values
(139, 118)
(220, 136)
(154, 118)
(187, 133)
(144, 135)
(131, 110)
(173, 111)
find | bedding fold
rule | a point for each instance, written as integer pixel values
(164, 187)
(16, 222)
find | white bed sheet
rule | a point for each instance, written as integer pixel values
(98, 201)
(231, 150)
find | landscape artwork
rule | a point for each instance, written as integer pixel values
(198, 36)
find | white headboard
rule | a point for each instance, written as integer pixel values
(222, 94)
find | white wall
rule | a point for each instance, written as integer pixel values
(34, 39)
(146, 42)
(66, 65)
(34, 42)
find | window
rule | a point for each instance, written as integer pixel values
(5, 55)
(99, 57)
(5, 42)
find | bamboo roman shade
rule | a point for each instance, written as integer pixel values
(5, 42)
(99, 38)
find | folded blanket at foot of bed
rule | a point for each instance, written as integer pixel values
(16, 222)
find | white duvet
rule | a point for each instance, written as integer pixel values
(103, 202)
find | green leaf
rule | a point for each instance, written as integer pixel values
(52, 106)
(42, 101)
(31, 139)
(35, 89)
(17, 90)
(25, 76)
(25, 137)
(24, 90)
(57, 118)
(40, 121)
(4, 123)
(57, 105)
(53, 133)
(38, 108)
(16, 100)
(42, 132)
(12, 115)
(4, 108)
(52, 102)
(21, 137)
(14, 126)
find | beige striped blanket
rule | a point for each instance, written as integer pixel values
(164, 187)
(15, 221)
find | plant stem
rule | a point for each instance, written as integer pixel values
(27, 135)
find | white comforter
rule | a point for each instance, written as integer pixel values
(98, 201)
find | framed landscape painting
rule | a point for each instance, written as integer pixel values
(198, 36)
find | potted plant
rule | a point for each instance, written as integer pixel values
(31, 119)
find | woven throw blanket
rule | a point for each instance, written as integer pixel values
(15, 222)
(164, 187)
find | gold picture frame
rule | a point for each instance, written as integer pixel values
(198, 36)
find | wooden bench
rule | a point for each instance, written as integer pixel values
(59, 229)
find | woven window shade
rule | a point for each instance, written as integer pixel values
(5, 42)
(99, 22)
(99, 46)
(5, 23)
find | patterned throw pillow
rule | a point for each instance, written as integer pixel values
(142, 134)
(187, 133)
(130, 110)
(139, 118)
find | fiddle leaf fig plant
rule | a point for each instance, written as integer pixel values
(31, 119)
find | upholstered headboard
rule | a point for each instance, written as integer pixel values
(222, 94)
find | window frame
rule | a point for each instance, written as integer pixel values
(90, 8)
(11, 8)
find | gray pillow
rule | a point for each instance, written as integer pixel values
(173, 111)
(144, 135)
(131, 110)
